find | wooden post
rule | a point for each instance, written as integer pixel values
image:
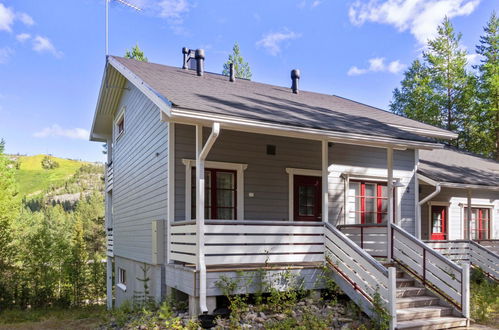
(465, 295)
(389, 163)
(200, 184)
(325, 190)
(469, 215)
(392, 296)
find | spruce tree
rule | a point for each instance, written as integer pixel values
(488, 86)
(414, 98)
(241, 68)
(136, 54)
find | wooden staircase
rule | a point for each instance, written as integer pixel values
(419, 308)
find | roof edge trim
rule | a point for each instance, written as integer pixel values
(192, 116)
(162, 102)
(455, 185)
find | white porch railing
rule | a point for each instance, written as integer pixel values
(436, 272)
(370, 237)
(109, 242)
(464, 251)
(243, 242)
(109, 177)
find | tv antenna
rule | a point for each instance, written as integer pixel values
(123, 2)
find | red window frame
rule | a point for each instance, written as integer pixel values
(213, 193)
(442, 210)
(480, 219)
(379, 200)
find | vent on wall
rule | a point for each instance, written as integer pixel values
(271, 149)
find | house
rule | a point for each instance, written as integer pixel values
(456, 186)
(211, 176)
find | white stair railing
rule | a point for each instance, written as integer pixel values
(464, 251)
(435, 271)
(358, 269)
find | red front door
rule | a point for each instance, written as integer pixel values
(438, 223)
(307, 198)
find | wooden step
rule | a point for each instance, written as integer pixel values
(433, 323)
(410, 291)
(426, 312)
(404, 282)
(417, 301)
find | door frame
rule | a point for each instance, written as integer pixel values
(291, 173)
(318, 201)
(445, 222)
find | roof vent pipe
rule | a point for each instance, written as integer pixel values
(232, 76)
(199, 56)
(295, 77)
(186, 52)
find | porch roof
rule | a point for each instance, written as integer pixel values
(450, 165)
(213, 94)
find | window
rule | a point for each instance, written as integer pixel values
(368, 202)
(307, 198)
(121, 278)
(479, 224)
(120, 124)
(220, 194)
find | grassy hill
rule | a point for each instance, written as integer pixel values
(33, 178)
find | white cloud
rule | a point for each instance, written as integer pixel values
(174, 9)
(377, 64)
(57, 131)
(420, 17)
(315, 3)
(272, 41)
(43, 44)
(23, 37)
(25, 18)
(303, 4)
(5, 54)
(7, 17)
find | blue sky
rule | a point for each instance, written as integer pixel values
(52, 52)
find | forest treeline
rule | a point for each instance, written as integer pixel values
(441, 88)
(52, 248)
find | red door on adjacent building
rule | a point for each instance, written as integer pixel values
(307, 198)
(438, 223)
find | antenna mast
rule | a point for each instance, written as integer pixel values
(123, 2)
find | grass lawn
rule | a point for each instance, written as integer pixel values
(54, 318)
(32, 178)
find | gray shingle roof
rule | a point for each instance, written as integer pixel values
(456, 166)
(214, 94)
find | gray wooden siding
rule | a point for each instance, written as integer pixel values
(456, 199)
(267, 179)
(371, 162)
(140, 176)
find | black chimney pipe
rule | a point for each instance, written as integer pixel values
(295, 77)
(232, 76)
(199, 56)
(185, 51)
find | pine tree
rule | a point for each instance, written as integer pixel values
(488, 86)
(413, 99)
(447, 64)
(136, 54)
(241, 68)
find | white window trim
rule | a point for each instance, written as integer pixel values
(291, 173)
(478, 206)
(120, 283)
(239, 168)
(119, 117)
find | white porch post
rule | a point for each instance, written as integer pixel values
(171, 186)
(417, 230)
(469, 214)
(325, 190)
(389, 163)
(200, 218)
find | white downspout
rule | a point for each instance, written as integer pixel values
(325, 190)
(201, 154)
(438, 188)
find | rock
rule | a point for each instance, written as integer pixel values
(262, 315)
(279, 317)
(345, 326)
(344, 319)
(301, 303)
(259, 320)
